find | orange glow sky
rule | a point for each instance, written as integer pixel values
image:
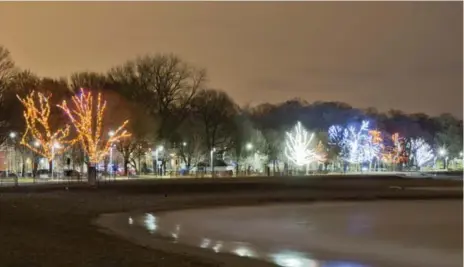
(402, 55)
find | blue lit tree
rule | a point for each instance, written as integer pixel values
(356, 143)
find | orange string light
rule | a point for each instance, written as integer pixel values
(47, 143)
(321, 152)
(90, 133)
(395, 154)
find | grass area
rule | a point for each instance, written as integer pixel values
(51, 226)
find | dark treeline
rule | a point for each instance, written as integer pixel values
(168, 102)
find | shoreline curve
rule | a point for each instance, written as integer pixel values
(116, 224)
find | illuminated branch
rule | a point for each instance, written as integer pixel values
(374, 144)
(88, 122)
(421, 152)
(47, 143)
(395, 154)
(321, 152)
(298, 147)
(357, 144)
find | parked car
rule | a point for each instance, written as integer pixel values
(72, 174)
(221, 168)
(3, 174)
(43, 174)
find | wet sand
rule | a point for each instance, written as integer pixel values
(356, 234)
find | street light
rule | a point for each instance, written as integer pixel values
(442, 151)
(249, 146)
(55, 145)
(111, 134)
(158, 166)
(35, 158)
(11, 161)
(212, 162)
(111, 159)
(184, 143)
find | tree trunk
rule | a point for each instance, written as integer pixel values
(105, 167)
(23, 170)
(273, 167)
(35, 165)
(91, 174)
(50, 168)
(126, 167)
(189, 164)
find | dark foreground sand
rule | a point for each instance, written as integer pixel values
(54, 227)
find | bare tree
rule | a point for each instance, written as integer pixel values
(191, 140)
(215, 111)
(164, 84)
(7, 68)
(11, 110)
(88, 80)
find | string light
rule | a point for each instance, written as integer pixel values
(89, 130)
(356, 143)
(47, 143)
(298, 146)
(374, 144)
(321, 152)
(421, 152)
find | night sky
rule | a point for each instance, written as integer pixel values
(401, 55)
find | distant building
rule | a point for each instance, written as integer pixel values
(3, 161)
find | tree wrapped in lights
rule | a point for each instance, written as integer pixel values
(299, 149)
(46, 142)
(396, 152)
(321, 152)
(374, 146)
(87, 119)
(336, 134)
(421, 152)
(357, 144)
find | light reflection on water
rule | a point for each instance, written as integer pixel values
(150, 222)
(293, 259)
(284, 258)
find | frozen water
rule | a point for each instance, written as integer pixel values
(349, 234)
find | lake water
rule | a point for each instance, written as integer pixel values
(333, 234)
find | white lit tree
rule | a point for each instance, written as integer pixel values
(358, 145)
(421, 152)
(300, 148)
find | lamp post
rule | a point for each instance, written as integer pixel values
(158, 166)
(111, 134)
(443, 153)
(55, 145)
(12, 159)
(35, 159)
(248, 147)
(212, 161)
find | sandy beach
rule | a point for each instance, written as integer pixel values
(55, 227)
